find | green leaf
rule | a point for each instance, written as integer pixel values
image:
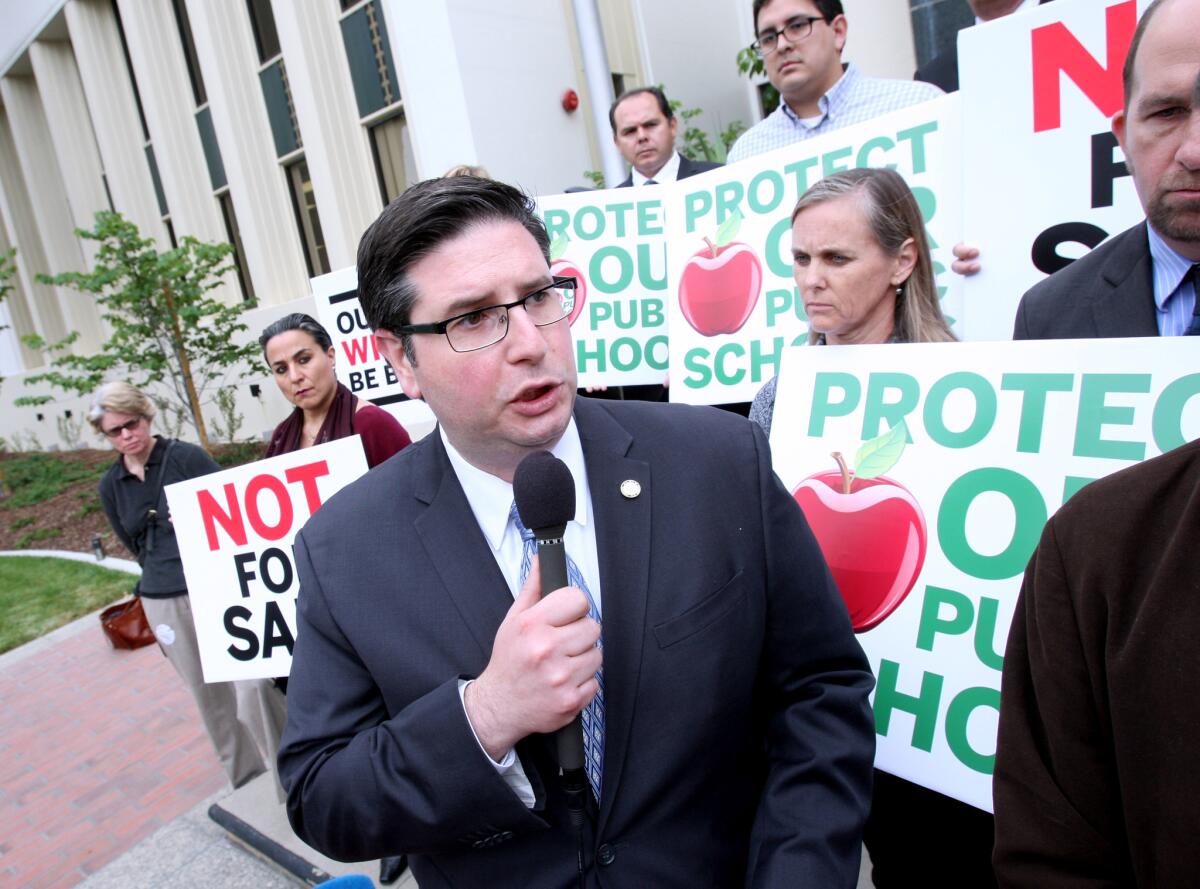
(729, 228)
(880, 454)
(559, 246)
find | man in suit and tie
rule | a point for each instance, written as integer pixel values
(1141, 282)
(644, 129)
(734, 735)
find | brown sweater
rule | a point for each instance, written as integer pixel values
(1097, 780)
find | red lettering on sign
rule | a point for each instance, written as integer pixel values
(307, 475)
(1056, 51)
(270, 483)
(356, 349)
(229, 518)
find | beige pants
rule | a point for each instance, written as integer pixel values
(244, 720)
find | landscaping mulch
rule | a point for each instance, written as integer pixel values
(68, 518)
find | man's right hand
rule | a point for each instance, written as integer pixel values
(542, 671)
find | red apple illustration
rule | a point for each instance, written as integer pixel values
(870, 528)
(720, 284)
(559, 265)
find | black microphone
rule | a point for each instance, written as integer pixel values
(544, 491)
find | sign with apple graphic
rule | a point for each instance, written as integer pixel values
(612, 243)
(870, 528)
(561, 266)
(720, 284)
(929, 552)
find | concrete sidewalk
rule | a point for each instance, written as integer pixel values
(107, 780)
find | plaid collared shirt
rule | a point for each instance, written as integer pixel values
(853, 99)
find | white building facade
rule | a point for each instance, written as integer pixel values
(284, 126)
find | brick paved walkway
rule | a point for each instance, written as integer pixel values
(98, 750)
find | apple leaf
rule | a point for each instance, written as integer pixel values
(880, 454)
(729, 228)
(559, 246)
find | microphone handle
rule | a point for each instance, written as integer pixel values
(552, 570)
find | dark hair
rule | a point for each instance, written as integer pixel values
(1134, 45)
(829, 9)
(415, 224)
(893, 216)
(296, 321)
(659, 96)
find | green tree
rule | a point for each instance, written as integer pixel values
(750, 63)
(166, 327)
(7, 269)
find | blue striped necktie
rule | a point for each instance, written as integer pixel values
(1194, 327)
(593, 714)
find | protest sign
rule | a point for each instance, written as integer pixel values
(612, 243)
(359, 364)
(959, 452)
(1044, 179)
(735, 306)
(235, 530)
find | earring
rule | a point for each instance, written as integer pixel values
(899, 290)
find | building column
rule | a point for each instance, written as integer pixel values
(425, 52)
(225, 47)
(118, 131)
(335, 142)
(50, 212)
(70, 128)
(169, 106)
(15, 311)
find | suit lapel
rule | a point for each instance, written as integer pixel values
(1128, 308)
(623, 547)
(457, 549)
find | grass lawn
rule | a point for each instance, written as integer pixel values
(39, 594)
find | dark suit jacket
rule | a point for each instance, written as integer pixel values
(687, 167)
(738, 736)
(1108, 292)
(1096, 778)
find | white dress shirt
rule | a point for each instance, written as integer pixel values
(669, 172)
(491, 499)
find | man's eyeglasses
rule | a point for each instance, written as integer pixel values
(129, 425)
(485, 327)
(796, 30)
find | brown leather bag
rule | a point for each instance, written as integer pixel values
(125, 625)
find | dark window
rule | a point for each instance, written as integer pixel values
(212, 151)
(389, 146)
(170, 232)
(262, 23)
(158, 189)
(239, 251)
(304, 202)
(279, 108)
(369, 56)
(189, 52)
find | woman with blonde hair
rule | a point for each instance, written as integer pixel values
(239, 717)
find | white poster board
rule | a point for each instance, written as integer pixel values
(612, 243)
(930, 553)
(1043, 178)
(735, 306)
(235, 530)
(360, 366)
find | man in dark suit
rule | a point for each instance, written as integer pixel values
(644, 129)
(727, 697)
(1143, 281)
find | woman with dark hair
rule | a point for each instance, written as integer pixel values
(862, 264)
(301, 356)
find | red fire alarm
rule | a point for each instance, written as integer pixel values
(570, 101)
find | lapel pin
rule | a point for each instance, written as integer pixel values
(630, 488)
